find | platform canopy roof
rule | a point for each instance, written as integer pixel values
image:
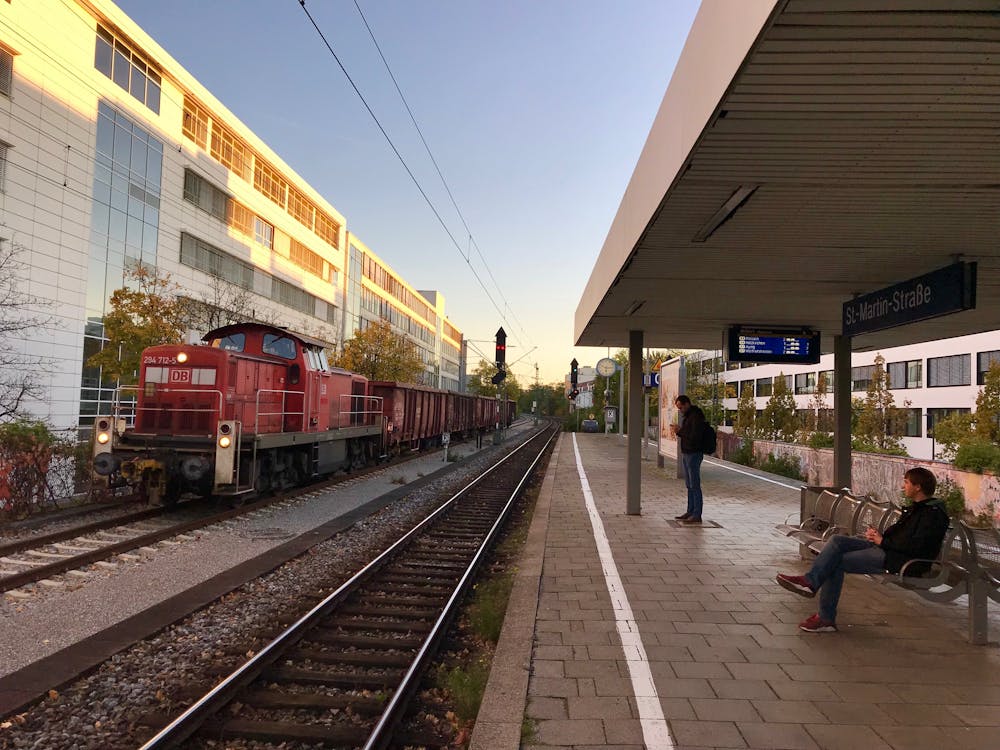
(807, 151)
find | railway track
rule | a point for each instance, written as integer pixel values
(345, 673)
(42, 557)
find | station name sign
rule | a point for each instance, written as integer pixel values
(797, 346)
(947, 290)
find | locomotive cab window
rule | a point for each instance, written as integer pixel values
(234, 342)
(279, 346)
(294, 374)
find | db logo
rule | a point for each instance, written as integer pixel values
(180, 375)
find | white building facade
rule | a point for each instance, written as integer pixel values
(929, 380)
(112, 154)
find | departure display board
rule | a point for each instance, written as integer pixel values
(797, 346)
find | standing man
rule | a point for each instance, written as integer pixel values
(690, 431)
(917, 535)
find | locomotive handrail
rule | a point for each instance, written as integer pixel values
(370, 411)
(118, 409)
(367, 415)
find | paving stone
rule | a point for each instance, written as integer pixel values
(846, 737)
(770, 736)
(572, 732)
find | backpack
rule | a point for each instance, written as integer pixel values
(708, 439)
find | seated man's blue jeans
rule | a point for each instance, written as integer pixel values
(692, 480)
(842, 554)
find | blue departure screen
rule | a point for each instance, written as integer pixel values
(762, 345)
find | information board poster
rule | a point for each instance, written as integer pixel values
(670, 389)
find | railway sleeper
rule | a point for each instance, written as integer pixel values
(356, 658)
(344, 679)
(360, 623)
(401, 643)
(417, 613)
(271, 698)
(283, 731)
(415, 600)
(446, 572)
(421, 589)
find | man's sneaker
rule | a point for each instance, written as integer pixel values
(798, 584)
(683, 517)
(691, 520)
(816, 624)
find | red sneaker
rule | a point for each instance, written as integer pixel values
(798, 584)
(816, 624)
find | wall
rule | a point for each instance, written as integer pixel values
(881, 475)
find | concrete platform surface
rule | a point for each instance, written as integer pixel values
(695, 646)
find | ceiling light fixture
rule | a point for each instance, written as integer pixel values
(725, 212)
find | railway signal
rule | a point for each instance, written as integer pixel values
(501, 352)
(574, 374)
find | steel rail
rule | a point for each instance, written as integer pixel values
(381, 735)
(185, 725)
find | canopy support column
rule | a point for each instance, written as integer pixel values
(842, 411)
(633, 482)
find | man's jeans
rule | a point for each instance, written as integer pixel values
(842, 554)
(692, 480)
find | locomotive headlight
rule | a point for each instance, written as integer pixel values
(225, 441)
(103, 438)
(182, 357)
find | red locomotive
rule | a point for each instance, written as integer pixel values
(260, 408)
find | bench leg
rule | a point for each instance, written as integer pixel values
(978, 622)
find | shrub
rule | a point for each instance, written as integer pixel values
(952, 496)
(744, 453)
(786, 466)
(976, 455)
(31, 462)
(820, 440)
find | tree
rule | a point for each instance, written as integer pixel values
(817, 405)
(779, 420)
(224, 304)
(880, 422)
(380, 354)
(746, 414)
(146, 312)
(983, 426)
(18, 318)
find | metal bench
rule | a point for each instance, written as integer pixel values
(845, 520)
(967, 565)
(816, 510)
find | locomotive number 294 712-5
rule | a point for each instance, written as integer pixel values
(159, 360)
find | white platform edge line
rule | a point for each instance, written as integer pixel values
(655, 732)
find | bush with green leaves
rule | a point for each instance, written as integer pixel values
(786, 466)
(820, 440)
(33, 460)
(953, 497)
(978, 455)
(744, 453)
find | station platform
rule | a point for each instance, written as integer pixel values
(698, 647)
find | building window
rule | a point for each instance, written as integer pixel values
(6, 72)
(945, 371)
(127, 68)
(765, 386)
(230, 151)
(263, 233)
(936, 415)
(205, 195)
(215, 262)
(913, 427)
(291, 296)
(983, 361)
(269, 182)
(906, 374)
(305, 258)
(195, 124)
(827, 375)
(861, 377)
(805, 383)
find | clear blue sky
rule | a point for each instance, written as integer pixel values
(535, 110)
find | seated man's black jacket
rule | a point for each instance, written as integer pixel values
(917, 534)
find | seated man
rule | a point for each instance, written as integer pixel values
(917, 535)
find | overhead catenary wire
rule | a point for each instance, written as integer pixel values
(395, 150)
(413, 119)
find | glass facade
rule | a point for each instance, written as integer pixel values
(125, 223)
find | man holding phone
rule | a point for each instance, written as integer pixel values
(916, 536)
